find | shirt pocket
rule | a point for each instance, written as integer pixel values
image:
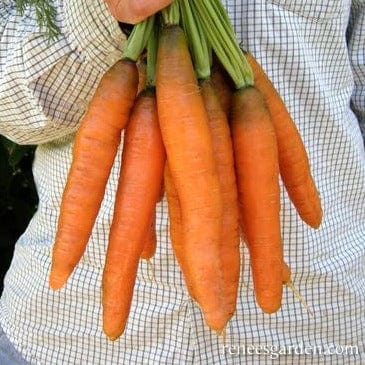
(314, 10)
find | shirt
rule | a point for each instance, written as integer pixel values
(314, 52)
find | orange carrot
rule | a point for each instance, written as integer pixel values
(223, 86)
(175, 229)
(150, 244)
(257, 170)
(293, 159)
(149, 247)
(184, 127)
(95, 147)
(142, 74)
(139, 185)
(223, 152)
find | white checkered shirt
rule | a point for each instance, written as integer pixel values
(314, 51)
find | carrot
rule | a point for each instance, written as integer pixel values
(150, 244)
(95, 147)
(223, 152)
(142, 74)
(293, 159)
(184, 127)
(175, 228)
(223, 86)
(149, 247)
(139, 186)
(257, 172)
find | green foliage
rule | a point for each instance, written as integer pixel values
(45, 13)
(18, 197)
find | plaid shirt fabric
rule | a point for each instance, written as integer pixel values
(314, 52)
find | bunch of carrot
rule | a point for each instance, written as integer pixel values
(218, 150)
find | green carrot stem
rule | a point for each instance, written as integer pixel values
(171, 14)
(217, 37)
(137, 41)
(246, 68)
(152, 46)
(45, 14)
(221, 36)
(196, 39)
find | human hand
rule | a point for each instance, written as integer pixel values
(133, 11)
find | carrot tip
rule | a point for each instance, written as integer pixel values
(114, 334)
(112, 338)
(112, 327)
(269, 302)
(270, 309)
(217, 323)
(316, 225)
(313, 222)
(223, 333)
(57, 283)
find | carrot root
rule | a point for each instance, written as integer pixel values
(293, 158)
(191, 161)
(94, 151)
(257, 174)
(138, 190)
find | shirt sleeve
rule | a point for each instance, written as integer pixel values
(356, 45)
(46, 85)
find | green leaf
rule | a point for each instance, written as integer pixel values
(138, 39)
(45, 14)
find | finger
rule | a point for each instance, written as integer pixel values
(133, 11)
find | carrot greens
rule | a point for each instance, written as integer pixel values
(45, 14)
